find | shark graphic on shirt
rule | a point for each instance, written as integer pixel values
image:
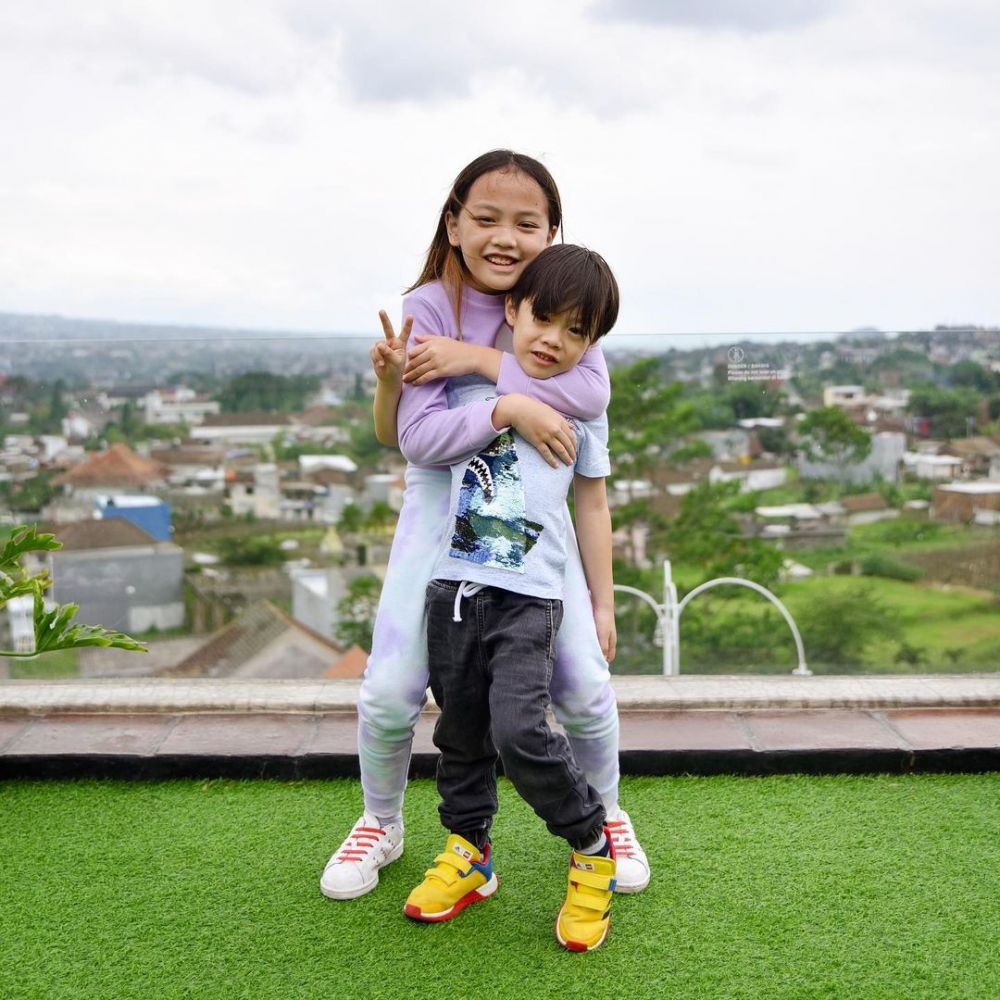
(491, 528)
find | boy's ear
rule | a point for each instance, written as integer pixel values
(509, 310)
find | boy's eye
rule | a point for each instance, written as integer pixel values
(529, 225)
(542, 317)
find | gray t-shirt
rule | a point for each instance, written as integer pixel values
(510, 526)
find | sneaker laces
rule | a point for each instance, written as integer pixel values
(622, 838)
(465, 589)
(359, 843)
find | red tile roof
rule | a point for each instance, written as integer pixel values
(118, 466)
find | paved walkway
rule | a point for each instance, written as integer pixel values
(155, 728)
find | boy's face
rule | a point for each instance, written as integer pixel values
(545, 345)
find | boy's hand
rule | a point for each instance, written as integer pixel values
(442, 357)
(546, 429)
(389, 355)
(607, 633)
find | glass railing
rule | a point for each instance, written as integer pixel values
(223, 498)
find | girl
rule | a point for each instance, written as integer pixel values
(502, 211)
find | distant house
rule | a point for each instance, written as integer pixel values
(118, 574)
(884, 461)
(976, 502)
(728, 445)
(197, 468)
(321, 423)
(178, 406)
(866, 508)
(844, 396)
(978, 454)
(149, 513)
(352, 664)
(262, 642)
(117, 469)
(255, 491)
(926, 466)
(233, 430)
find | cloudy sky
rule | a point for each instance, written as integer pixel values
(745, 165)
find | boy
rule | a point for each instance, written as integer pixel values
(494, 606)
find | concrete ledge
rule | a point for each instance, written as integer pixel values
(633, 692)
(152, 746)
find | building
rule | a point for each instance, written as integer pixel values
(262, 642)
(119, 575)
(976, 502)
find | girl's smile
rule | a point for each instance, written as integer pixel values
(503, 225)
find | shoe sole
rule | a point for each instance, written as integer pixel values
(631, 888)
(367, 887)
(476, 896)
(579, 946)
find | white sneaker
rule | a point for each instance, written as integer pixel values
(633, 866)
(353, 868)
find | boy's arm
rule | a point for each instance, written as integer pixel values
(593, 533)
(388, 356)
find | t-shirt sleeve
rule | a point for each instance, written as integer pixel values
(429, 433)
(584, 391)
(592, 457)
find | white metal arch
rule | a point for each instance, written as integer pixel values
(668, 615)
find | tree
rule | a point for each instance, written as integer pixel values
(351, 520)
(829, 435)
(646, 415)
(253, 391)
(253, 551)
(357, 609)
(948, 412)
(706, 533)
(837, 630)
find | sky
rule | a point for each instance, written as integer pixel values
(746, 167)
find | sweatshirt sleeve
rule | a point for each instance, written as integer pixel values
(584, 391)
(429, 433)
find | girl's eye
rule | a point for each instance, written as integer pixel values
(542, 317)
(484, 219)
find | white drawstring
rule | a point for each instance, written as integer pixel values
(465, 589)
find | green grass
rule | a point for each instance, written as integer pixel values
(45, 666)
(934, 619)
(875, 887)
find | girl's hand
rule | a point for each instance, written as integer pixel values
(546, 429)
(442, 357)
(389, 355)
(607, 633)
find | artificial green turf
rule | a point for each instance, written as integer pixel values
(829, 887)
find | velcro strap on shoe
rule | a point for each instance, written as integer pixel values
(593, 879)
(451, 859)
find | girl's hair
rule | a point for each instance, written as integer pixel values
(444, 262)
(567, 278)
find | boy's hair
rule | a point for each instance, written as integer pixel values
(568, 278)
(443, 261)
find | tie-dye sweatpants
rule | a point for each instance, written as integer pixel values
(394, 687)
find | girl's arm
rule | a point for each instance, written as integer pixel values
(388, 357)
(582, 392)
(593, 533)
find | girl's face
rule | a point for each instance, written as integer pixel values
(503, 225)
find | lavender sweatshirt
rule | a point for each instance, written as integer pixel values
(430, 434)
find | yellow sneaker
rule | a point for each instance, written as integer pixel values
(460, 877)
(585, 917)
